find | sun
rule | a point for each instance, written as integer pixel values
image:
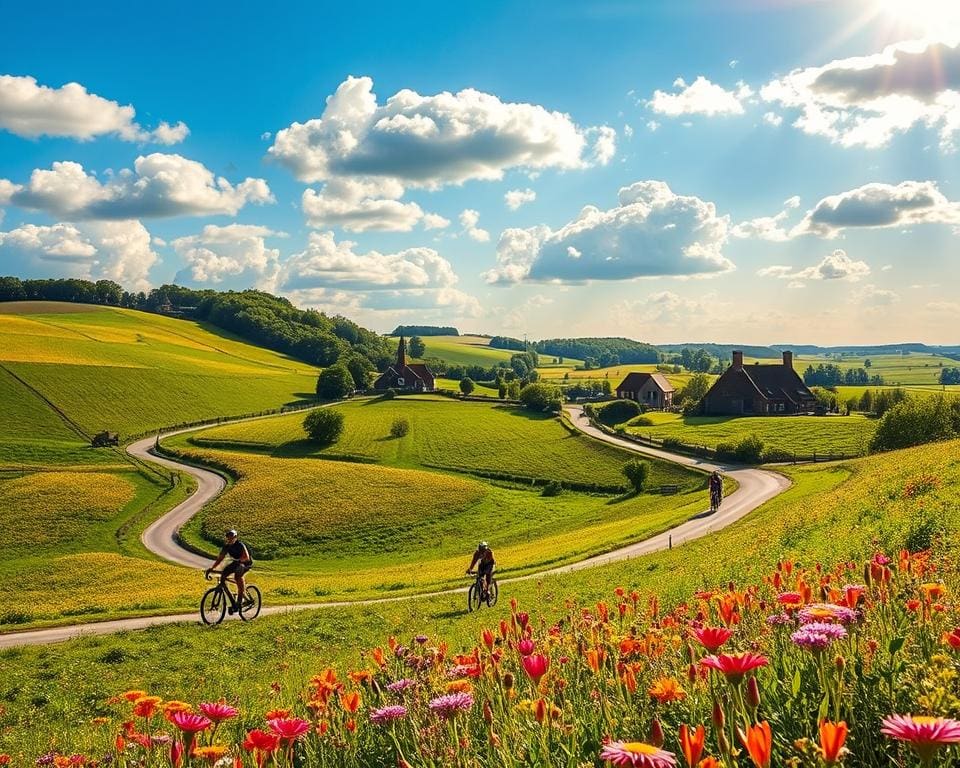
(933, 18)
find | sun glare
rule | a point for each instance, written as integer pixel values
(934, 18)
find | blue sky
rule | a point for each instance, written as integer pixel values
(747, 171)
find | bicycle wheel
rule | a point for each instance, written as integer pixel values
(473, 597)
(252, 600)
(492, 593)
(213, 606)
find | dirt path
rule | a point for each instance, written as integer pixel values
(756, 486)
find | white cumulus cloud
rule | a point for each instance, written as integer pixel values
(231, 251)
(835, 266)
(701, 97)
(95, 250)
(515, 198)
(651, 233)
(31, 110)
(469, 219)
(159, 185)
(867, 100)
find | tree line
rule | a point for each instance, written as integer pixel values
(950, 375)
(425, 330)
(595, 352)
(831, 375)
(255, 316)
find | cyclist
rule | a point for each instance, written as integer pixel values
(240, 562)
(484, 557)
(716, 491)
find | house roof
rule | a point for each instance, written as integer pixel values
(421, 370)
(770, 382)
(635, 380)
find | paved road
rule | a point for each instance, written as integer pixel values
(756, 486)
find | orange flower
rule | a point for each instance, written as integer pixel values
(350, 701)
(832, 737)
(146, 706)
(211, 754)
(692, 744)
(176, 706)
(759, 743)
(933, 591)
(708, 762)
(377, 654)
(459, 686)
(277, 714)
(133, 695)
(361, 676)
(667, 689)
(595, 658)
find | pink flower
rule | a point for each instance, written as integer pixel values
(536, 666)
(218, 711)
(526, 646)
(188, 722)
(925, 734)
(289, 728)
(388, 714)
(636, 753)
(450, 704)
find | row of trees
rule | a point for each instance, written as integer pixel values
(950, 375)
(595, 352)
(831, 375)
(425, 330)
(261, 318)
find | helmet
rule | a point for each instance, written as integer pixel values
(230, 533)
(483, 545)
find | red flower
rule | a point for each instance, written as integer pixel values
(261, 741)
(952, 639)
(712, 638)
(734, 666)
(536, 666)
(526, 646)
(289, 728)
(218, 711)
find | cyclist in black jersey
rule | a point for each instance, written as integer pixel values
(240, 562)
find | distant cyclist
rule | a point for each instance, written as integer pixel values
(484, 557)
(716, 491)
(240, 562)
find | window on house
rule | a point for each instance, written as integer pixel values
(400, 381)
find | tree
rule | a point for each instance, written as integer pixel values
(637, 472)
(867, 363)
(693, 393)
(335, 383)
(324, 425)
(467, 386)
(502, 389)
(417, 347)
(513, 389)
(361, 370)
(915, 421)
(400, 427)
(540, 397)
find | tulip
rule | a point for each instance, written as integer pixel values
(753, 693)
(759, 743)
(692, 744)
(832, 737)
(656, 733)
(536, 666)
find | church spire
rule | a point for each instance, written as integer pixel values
(402, 353)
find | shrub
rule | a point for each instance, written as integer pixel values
(400, 427)
(553, 488)
(915, 421)
(618, 412)
(334, 383)
(726, 451)
(467, 386)
(749, 450)
(540, 397)
(390, 394)
(672, 444)
(637, 472)
(640, 421)
(324, 425)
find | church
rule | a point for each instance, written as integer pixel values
(403, 375)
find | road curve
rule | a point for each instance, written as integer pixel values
(756, 486)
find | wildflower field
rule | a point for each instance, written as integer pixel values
(130, 372)
(460, 436)
(804, 435)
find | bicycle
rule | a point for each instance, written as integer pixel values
(716, 498)
(213, 604)
(475, 596)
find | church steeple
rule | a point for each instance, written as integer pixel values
(402, 354)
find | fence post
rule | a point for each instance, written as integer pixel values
(670, 542)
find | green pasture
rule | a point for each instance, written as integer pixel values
(834, 513)
(804, 435)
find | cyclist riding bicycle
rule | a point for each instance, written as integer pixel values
(716, 491)
(483, 556)
(240, 562)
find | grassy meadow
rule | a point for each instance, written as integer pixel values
(132, 372)
(803, 435)
(881, 502)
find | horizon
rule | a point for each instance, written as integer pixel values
(739, 172)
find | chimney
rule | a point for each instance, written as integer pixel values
(737, 360)
(788, 359)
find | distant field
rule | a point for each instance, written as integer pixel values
(469, 436)
(913, 369)
(849, 435)
(476, 350)
(129, 372)
(615, 373)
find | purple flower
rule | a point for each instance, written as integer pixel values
(399, 686)
(388, 714)
(450, 704)
(818, 612)
(421, 639)
(818, 636)
(46, 759)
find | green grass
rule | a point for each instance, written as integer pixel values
(863, 500)
(460, 436)
(476, 350)
(804, 435)
(911, 369)
(132, 372)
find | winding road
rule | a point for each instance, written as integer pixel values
(756, 486)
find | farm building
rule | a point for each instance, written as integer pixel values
(403, 375)
(649, 389)
(758, 389)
